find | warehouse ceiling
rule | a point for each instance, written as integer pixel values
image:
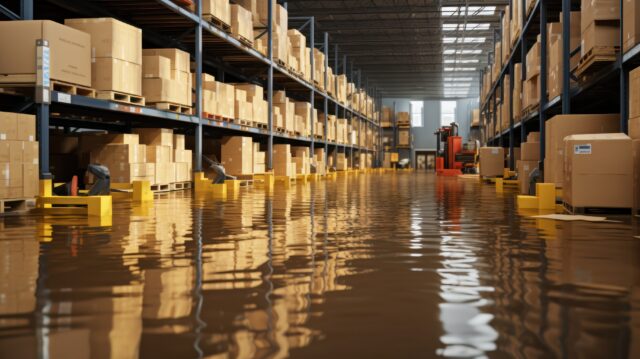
(409, 48)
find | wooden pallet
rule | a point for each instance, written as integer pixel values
(243, 40)
(217, 23)
(210, 116)
(172, 107)
(595, 210)
(596, 59)
(240, 122)
(161, 187)
(260, 125)
(72, 89)
(318, 137)
(526, 112)
(280, 129)
(14, 206)
(180, 186)
(18, 84)
(121, 97)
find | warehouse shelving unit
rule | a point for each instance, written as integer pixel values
(591, 96)
(166, 24)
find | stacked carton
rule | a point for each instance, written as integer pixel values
(529, 158)
(241, 23)
(116, 54)
(286, 109)
(342, 164)
(122, 154)
(216, 10)
(491, 161)
(298, 51)
(282, 165)
(554, 73)
(18, 156)
(634, 104)
(561, 126)
(630, 24)
(182, 158)
(209, 95)
(237, 155)
(515, 25)
(70, 51)
(517, 92)
(341, 131)
(600, 25)
(166, 77)
(259, 159)
(280, 29)
(506, 35)
(159, 152)
(225, 99)
(302, 160)
(531, 89)
(319, 161)
(242, 110)
(403, 119)
(318, 68)
(303, 118)
(255, 100)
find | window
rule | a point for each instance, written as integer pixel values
(416, 113)
(447, 112)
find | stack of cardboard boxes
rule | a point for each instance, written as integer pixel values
(286, 109)
(18, 156)
(70, 51)
(282, 164)
(122, 154)
(554, 69)
(280, 26)
(259, 159)
(318, 67)
(341, 83)
(342, 164)
(237, 155)
(183, 159)
(600, 25)
(630, 24)
(160, 152)
(241, 23)
(303, 120)
(531, 88)
(319, 161)
(517, 92)
(167, 77)
(116, 54)
(561, 126)
(529, 158)
(302, 160)
(219, 10)
(386, 120)
(298, 52)
(241, 108)
(255, 100)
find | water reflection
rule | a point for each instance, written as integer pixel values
(365, 266)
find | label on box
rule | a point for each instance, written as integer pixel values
(494, 151)
(582, 149)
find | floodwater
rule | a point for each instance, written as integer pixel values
(400, 265)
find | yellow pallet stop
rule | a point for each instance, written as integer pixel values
(95, 206)
(545, 198)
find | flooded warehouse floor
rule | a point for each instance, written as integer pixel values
(400, 265)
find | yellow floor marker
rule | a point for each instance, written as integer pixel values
(233, 185)
(546, 193)
(499, 185)
(142, 191)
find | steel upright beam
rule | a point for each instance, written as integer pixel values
(198, 52)
(566, 56)
(270, 84)
(312, 99)
(624, 80)
(500, 141)
(512, 164)
(523, 70)
(335, 59)
(26, 9)
(542, 116)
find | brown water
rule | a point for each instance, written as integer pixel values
(369, 266)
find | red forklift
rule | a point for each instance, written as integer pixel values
(455, 158)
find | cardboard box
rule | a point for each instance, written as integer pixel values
(533, 137)
(591, 178)
(178, 58)
(70, 51)
(237, 155)
(524, 171)
(404, 138)
(111, 38)
(11, 174)
(109, 74)
(599, 35)
(241, 22)
(561, 126)
(219, 9)
(533, 61)
(183, 172)
(282, 160)
(8, 126)
(597, 10)
(158, 154)
(156, 67)
(630, 24)
(155, 136)
(492, 161)
(30, 180)
(634, 95)
(530, 151)
(166, 90)
(635, 145)
(119, 153)
(26, 127)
